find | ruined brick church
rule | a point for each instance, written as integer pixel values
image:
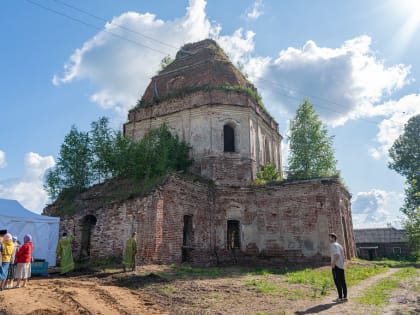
(209, 103)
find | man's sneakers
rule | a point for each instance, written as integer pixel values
(340, 300)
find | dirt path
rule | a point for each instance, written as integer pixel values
(353, 307)
(141, 293)
(68, 296)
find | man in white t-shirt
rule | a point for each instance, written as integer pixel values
(337, 265)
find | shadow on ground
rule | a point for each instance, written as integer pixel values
(316, 309)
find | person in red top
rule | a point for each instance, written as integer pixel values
(24, 259)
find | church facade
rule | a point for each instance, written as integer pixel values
(208, 103)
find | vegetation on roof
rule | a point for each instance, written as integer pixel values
(102, 154)
(203, 88)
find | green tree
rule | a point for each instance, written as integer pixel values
(268, 173)
(162, 152)
(53, 183)
(86, 158)
(102, 139)
(75, 160)
(123, 161)
(405, 160)
(311, 152)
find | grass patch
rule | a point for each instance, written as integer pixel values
(112, 190)
(321, 282)
(356, 273)
(200, 272)
(266, 287)
(263, 286)
(265, 272)
(379, 293)
(188, 272)
(167, 290)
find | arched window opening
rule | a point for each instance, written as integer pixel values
(228, 138)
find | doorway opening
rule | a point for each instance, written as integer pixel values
(88, 222)
(187, 238)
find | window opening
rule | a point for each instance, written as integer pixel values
(88, 222)
(397, 250)
(233, 240)
(187, 238)
(228, 138)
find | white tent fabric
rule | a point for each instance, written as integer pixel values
(19, 221)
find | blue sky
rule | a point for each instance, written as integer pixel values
(68, 63)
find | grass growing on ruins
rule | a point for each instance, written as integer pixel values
(380, 292)
(115, 190)
(251, 92)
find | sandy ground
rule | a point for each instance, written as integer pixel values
(78, 295)
(144, 292)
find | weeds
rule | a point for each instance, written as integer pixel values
(380, 292)
(167, 290)
(263, 286)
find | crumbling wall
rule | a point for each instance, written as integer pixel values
(287, 222)
(199, 119)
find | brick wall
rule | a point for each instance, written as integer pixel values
(288, 222)
(199, 119)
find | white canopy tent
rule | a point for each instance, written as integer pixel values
(19, 221)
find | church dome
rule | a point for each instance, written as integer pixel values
(198, 66)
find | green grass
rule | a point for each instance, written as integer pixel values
(167, 290)
(266, 287)
(264, 272)
(379, 293)
(356, 273)
(188, 272)
(321, 281)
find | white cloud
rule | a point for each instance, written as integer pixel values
(2, 159)
(347, 82)
(377, 208)
(343, 83)
(397, 113)
(238, 46)
(28, 190)
(121, 69)
(255, 11)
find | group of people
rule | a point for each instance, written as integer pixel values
(15, 260)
